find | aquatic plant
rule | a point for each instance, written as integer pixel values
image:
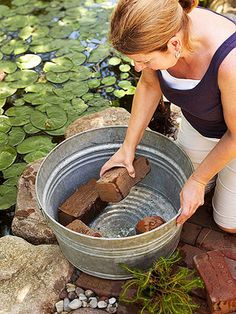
(163, 289)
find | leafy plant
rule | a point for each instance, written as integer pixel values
(164, 288)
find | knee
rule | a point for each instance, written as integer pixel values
(228, 230)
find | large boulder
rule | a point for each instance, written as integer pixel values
(31, 277)
(28, 222)
(107, 117)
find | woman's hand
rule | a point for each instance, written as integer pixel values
(122, 158)
(191, 197)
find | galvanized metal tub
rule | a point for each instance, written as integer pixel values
(78, 159)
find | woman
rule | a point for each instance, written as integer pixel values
(188, 54)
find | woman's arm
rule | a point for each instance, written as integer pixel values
(225, 149)
(146, 99)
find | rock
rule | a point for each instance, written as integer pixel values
(112, 301)
(72, 295)
(107, 117)
(31, 277)
(116, 183)
(218, 271)
(79, 290)
(89, 293)
(28, 222)
(75, 304)
(83, 204)
(59, 306)
(82, 297)
(78, 226)
(66, 304)
(102, 304)
(148, 223)
(70, 287)
(111, 309)
(93, 303)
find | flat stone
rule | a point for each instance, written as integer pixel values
(31, 277)
(28, 222)
(213, 240)
(107, 117)
(188, 252)
(190, 232)
(102, 287)
(219, 279)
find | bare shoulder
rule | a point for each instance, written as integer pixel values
(227, 69)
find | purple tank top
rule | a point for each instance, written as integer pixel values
(202, 105)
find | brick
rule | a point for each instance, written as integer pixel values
(212, 240)
(116, 183)
(102, 287)
(83, 204)
(219, 280)
(78, 226)
(188, 252)
(148, 223)
(190, 233)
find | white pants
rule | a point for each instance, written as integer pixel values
(224, 200)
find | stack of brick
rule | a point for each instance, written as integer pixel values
(218, 271)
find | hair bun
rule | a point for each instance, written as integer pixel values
(188, 5)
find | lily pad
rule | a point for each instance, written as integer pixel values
(7, 66)
(87, 96)
(11, 181)
(125, 84)
(109, 89)
(35, 31)
(46, 45)
(16, 136)
(57, 77)
(119, 93)
(20, 2)
(7, 156)
(28, 61)
(19, 116)
(30, 157)
(124, 68)
(99, 54)
(54, 118)
(82, 74)
(6, 90)
(3, 138)
(60, 31)
(30, 129)
(94, 83)
(60, 64)
(19, 102)
(14, 170)
(79, 106)
(77, 58)
(114, 61)
(22, 78)
(39, 87)
(7, 196)
(35, 143)
(108, 80)
(5, 124)
(2, 102)
(14, 46)
(124, 75)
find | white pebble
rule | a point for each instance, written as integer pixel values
(75, 304)
(93, 303)
(89, 293)
(82, 297)
(59, 306)
(79, 290)
(84, 304)
(70, 287)
(66, 303)
(111, 309)
(112, 301)
(102, 304)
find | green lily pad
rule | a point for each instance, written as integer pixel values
(60, 64)
(19, 116)
(124, 68)
(20, 2)
(19, 102)
(35, 143)
(11, 181)
(125, 84)
(13, 23)
(33, 98)
(93, 83)
(57, 77)
(30, 157)
(4, 10)
(3, 138)
(77, 58)
(99, 102)
(7, 196)
(16, 136)
(6, 90)
(1, 56)
(87, 96)
(7, 156)
(79, 106)
(119, 93)
(54, 118)
(82, 74)
(114, 61)
(124, 75)
(2, 102)
(39, 87)
(108, 80)
(14, 46)
(60, 31)
(28, 61)
(5, 124)
(7, 66)
(46, 45)
(14, 170)
(131, 90)
(109, 89)
(22, 78)
(35, 31)
(99, 54)
(30, 129)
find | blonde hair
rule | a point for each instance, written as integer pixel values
(143, 26)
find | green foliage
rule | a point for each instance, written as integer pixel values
(164, 288)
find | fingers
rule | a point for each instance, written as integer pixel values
(108, 165)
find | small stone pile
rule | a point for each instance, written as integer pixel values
(74, 297)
